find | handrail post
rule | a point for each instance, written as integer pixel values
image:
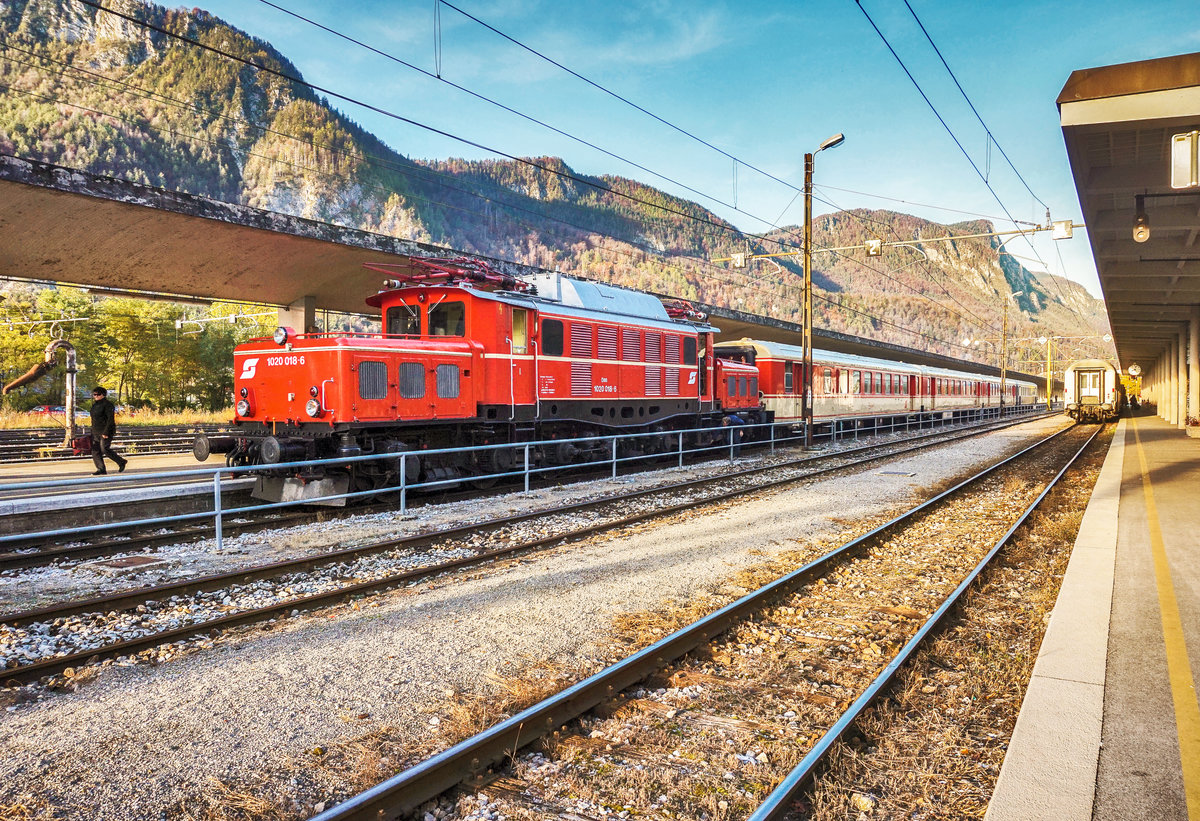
(403, 484)
(614, 458)
(527, 468)
(681, 448)
(217, 508)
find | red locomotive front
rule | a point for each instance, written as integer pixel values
(468, 357)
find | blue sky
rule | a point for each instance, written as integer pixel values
(763, 81)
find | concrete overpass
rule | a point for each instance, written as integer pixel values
(59, 225)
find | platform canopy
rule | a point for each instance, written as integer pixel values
(1119, 123)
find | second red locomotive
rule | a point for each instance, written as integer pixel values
(469, 357)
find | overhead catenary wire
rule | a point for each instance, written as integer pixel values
(391, 114)
(746, 283)
(736, 160)
(957, 84)
(953, 136)
(335, 94)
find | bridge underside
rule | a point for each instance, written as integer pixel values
(64, 226)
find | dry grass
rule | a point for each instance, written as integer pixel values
(28, 809)
(934, 747)
(220, 801)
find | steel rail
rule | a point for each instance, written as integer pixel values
(472, 757)
(128, 599)
(779, 801)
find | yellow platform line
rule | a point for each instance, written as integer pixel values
(1179, 670)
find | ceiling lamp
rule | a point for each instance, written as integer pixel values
(1141, 224)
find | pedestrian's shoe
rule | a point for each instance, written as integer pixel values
(121, 467)
(100, 473)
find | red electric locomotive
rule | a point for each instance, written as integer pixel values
(470, 357)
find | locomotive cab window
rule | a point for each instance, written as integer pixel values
(404, 320)
(520, 331)
(448, 319)
(689, 350)
(552, 337)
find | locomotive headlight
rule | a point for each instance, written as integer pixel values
(313, 408)
(243, 407)
(281, 335)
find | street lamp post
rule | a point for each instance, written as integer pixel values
(1049, 373)
(1004, 349)
(806, 409)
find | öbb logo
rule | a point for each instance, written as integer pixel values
(248, 368)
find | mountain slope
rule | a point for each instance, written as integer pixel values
(94, 91)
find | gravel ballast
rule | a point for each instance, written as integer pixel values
(139, 741)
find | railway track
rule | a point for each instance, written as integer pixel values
(48, 641)
(730, 715)
(36, 552)
(46, 444)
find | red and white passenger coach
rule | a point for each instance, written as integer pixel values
(846, 386)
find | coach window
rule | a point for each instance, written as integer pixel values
(828, 381)
(787, 376)
(448, 319)
(520, 331)
(552, 337)
(404, 320)
(855, 382)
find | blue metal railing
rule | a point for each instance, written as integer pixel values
(726, 440)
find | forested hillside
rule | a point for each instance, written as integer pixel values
(93, 91)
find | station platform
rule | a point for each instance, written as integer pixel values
(84, 500)
(1110, 725)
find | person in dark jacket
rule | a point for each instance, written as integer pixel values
(736, 435)
(104, 427)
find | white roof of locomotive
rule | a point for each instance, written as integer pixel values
(596, 296)
(565, 296)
